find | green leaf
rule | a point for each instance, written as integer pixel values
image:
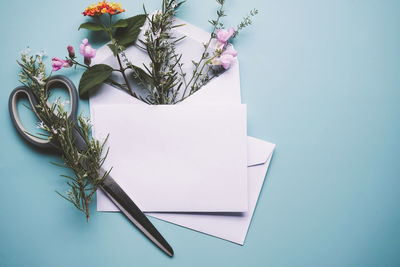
(114, 48)
(91, 26)
(122, 23)
(92, 77)
(141, 76)
(140, 73)
(127, 36)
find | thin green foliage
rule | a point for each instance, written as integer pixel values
(86, 162)
(164, 78)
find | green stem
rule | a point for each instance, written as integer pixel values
(191, 91)
(121, 69)
(201, 72)
(203, 55)
(77, 63)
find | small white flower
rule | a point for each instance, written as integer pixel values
(86, 120)
(54, 130)
(25, 52)
(41, 54)
(41, 125)
(156, 35)
(39, 79)
(60, 103)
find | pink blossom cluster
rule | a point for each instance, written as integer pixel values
(86, 51)
(227, 53)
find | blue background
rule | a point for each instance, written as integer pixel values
(321, 80)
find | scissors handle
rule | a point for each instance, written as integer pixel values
(54, 81)
(64, 82)
(12, 107)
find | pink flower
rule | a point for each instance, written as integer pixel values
(230, 51)
(223, 37)
(57, 64)
(86, 49)
(226, 58)
(219, 46)
(71, 51)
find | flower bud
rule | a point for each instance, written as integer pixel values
(87, 61)
(71, 51)
(59, 63)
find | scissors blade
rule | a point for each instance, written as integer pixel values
(134, 214)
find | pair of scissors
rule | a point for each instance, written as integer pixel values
(109, 186)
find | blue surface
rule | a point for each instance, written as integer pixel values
(321, 80)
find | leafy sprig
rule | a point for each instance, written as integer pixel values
(167, 83)
(247, 21)
(159, 43)
(85, 162)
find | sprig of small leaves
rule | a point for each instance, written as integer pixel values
(159, 43)
(247, 21)
(85, 162)
(164, 78)
(202, 73)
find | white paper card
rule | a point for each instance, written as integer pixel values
(177, 157)
(232, 227)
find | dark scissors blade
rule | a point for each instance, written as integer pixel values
(134, 214)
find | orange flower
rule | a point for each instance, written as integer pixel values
(103, 8)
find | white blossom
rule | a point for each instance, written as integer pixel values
(25, 52)
(41, 125)
(39, 78)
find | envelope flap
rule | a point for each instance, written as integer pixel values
(259, 151)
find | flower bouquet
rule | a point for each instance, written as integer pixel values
(163, 79)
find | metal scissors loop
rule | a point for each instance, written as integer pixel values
(54, 81)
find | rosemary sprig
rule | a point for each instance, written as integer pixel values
(247, 21)
(205, 57)
(159, 43)
(164, 78)
(85, 162)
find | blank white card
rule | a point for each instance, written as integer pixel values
(177, 158)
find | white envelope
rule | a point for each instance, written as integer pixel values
(179, 158)
(230, 226)
(223, 90)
